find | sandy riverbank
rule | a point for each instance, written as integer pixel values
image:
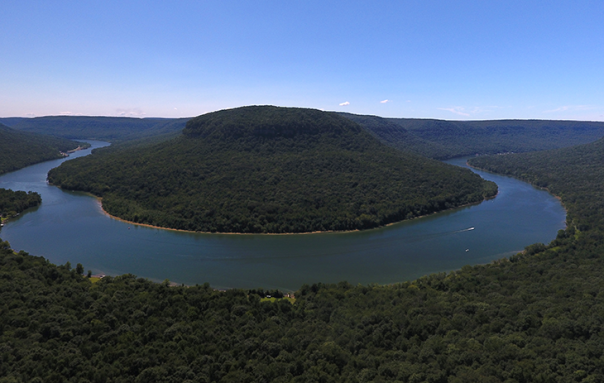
(100, 202)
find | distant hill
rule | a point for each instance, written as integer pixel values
(97, 128)
(439, 139)
(267, 169)
(443, 139)
(392, 133)
(20, 149)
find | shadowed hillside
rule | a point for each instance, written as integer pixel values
(20, 149)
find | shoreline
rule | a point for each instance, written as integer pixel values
(67, 153)
(535, 186)
(76, 149)
(100, 202)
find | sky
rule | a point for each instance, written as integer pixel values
(455, 60)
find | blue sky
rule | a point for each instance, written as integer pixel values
(424, 59)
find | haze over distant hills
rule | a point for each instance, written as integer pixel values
(438, 139)
(269, 169)
(443, 139)
(110, 129)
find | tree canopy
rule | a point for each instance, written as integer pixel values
(266, 169)
(537, 316)
(14, 202)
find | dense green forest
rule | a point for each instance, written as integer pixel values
(447, 139)
(112, 129)
(269, 170)
(575, 174)
(14, 202)
(20, 149)
(535, 317)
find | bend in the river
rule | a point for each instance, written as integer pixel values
(71, 227)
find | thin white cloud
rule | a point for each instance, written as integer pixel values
(69, 114)
(570, 108)
(384, 101)
(345, 103)
(131, 112)
(457, 110)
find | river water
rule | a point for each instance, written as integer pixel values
(71, 227)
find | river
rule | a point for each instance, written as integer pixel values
(71, 227)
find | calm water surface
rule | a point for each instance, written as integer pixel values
(71, 227)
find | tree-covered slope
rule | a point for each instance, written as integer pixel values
(575, 174)
(266, 169)
(446, 139)
(20, 149)
(395, 135)
(98, 128)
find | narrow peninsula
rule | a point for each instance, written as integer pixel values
(266, 169)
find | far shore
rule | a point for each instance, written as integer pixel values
(535, 186)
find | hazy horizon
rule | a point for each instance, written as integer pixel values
(467, 60)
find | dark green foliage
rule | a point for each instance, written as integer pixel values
(447, 139)
(269, 170)
(12, 203)
(20, 149)
(98, 128)
(528, 319)
(535, 317)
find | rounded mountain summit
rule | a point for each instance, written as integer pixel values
(267, 169)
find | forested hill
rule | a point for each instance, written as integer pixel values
(20, 149)
(393, 134)
(446, 139)
(111, 129)
(427, 137)
(266, 169)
